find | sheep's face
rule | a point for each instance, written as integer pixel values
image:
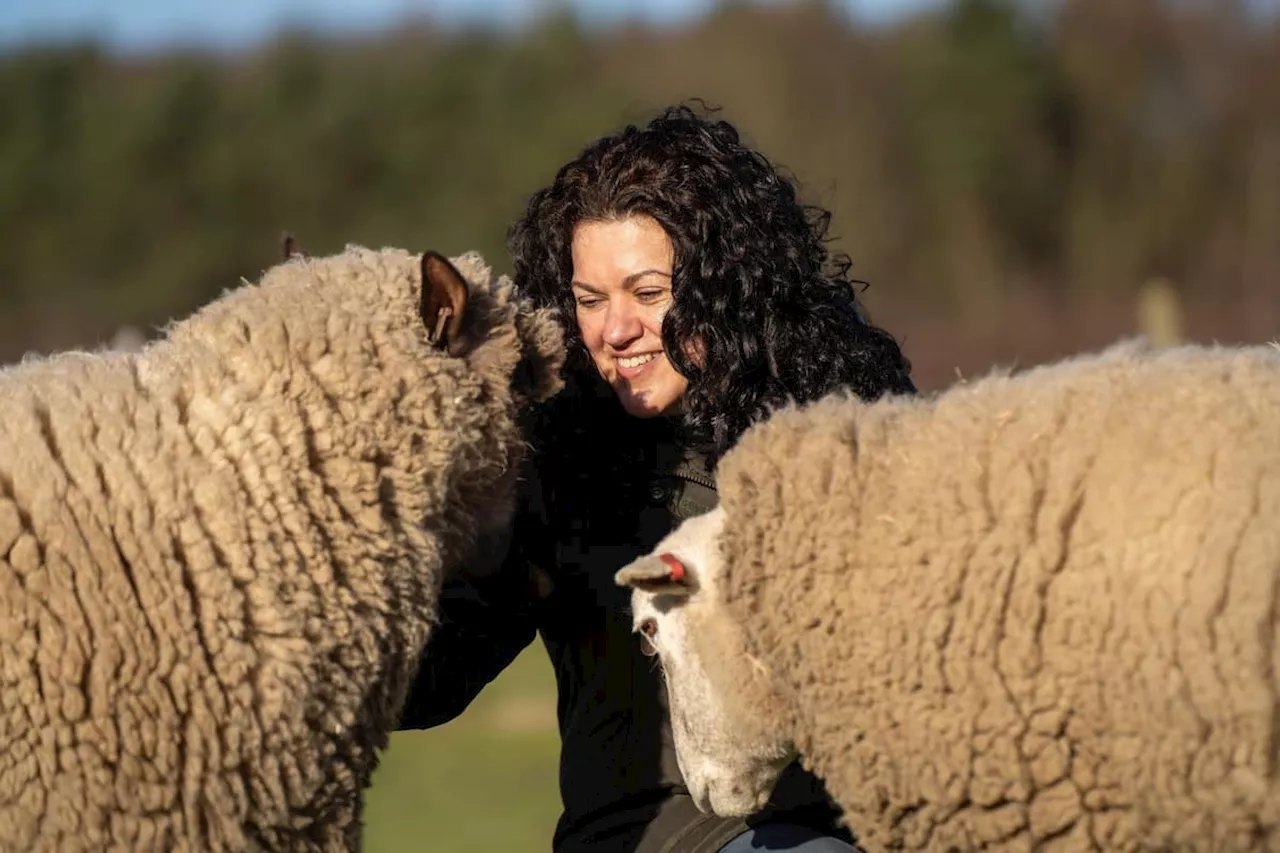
(727, 713)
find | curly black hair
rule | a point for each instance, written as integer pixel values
(775, 311)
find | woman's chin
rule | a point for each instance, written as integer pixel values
(638, 407)
(646, 403)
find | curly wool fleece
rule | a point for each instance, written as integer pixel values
(1035, 612)
(1032, 612)
(219, 557)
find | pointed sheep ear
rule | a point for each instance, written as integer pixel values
(444, 300)
(289, 247)
(664, 573)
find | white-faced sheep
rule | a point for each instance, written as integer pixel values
(220, 557)
(1032, 612)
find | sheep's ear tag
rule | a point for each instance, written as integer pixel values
(677, 569)
(665, 574)
(444, 299)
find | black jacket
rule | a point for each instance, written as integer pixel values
(582, 520)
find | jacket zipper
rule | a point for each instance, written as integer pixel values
(688, 473)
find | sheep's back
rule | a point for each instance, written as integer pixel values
(159, 644)
(1013, 610)
(1158, 634)
(81, 633)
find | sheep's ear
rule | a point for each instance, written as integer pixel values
(289, 247)
(444, 299)
(663, 573)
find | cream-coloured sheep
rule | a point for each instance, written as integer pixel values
(1033, 612)
(219, 557)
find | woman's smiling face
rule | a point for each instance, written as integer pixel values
(622, 289)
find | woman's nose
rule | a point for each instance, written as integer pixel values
(622, 324)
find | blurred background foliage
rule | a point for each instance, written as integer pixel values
(1013, 181)
(1004, 175)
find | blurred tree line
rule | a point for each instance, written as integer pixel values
(975, 157)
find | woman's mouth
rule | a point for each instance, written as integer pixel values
(632, 366)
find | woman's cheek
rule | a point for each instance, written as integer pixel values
(587, 330)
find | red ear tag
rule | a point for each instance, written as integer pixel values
(674, 564)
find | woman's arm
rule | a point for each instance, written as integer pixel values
(485, 620)
(483, 626)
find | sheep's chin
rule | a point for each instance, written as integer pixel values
(722, 798)
(733, 792)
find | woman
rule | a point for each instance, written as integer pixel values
(700, 294)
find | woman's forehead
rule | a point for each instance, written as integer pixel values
(620, 253)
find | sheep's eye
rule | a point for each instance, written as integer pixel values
(648, 628)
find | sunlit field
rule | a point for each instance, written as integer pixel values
(484, 782)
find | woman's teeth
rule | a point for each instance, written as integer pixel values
(636, 361)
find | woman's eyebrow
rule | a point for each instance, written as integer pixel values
(627, 283)
(630, 281)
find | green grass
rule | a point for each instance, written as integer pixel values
(486, 781)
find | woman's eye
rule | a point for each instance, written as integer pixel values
(650, 296)
(588, 302)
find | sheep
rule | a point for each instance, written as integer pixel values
(220, 557)
(1050, 625)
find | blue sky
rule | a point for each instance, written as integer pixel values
(146, 24)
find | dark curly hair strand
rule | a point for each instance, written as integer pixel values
(775, 311)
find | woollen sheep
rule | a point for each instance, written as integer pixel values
(220, 556)
(1031, 612)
